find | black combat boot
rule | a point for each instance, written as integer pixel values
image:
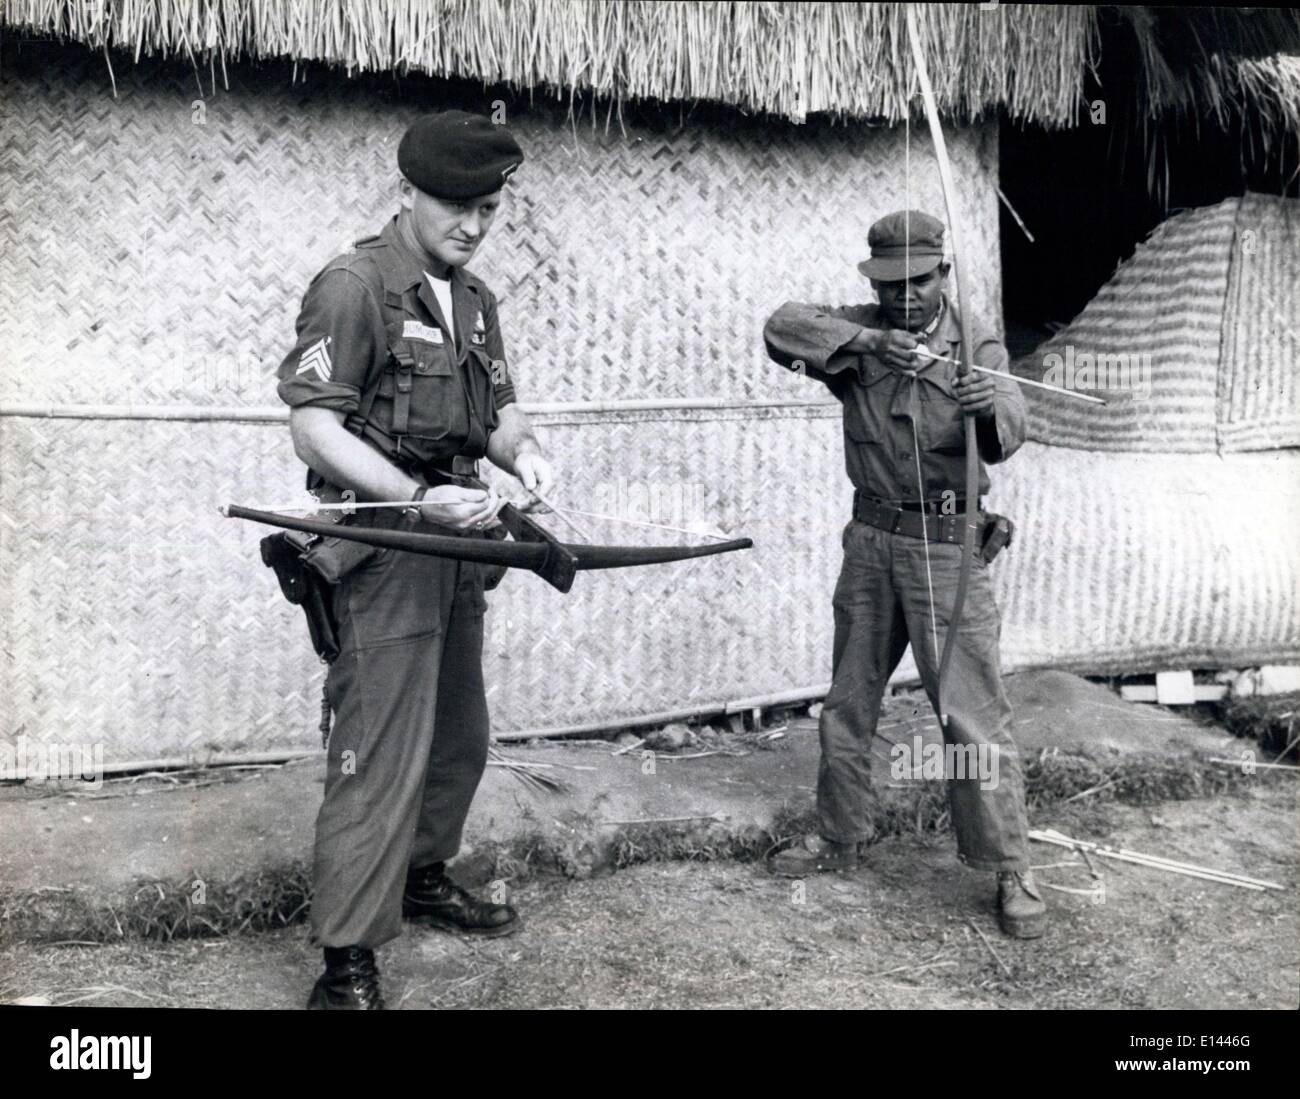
(433, 899)
(350, 981)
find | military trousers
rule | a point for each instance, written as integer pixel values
(410, 737)
(881, 603)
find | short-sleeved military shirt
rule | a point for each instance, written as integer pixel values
(370, 321)
(886, 415)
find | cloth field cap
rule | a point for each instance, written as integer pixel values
(455, 154)
(903, 245)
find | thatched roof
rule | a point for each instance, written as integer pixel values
(1214, 62)
(785, 59)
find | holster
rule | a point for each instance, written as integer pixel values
(997, 534)
(309, 569)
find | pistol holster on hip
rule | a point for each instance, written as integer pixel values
(285, 552)
(997, 534)
(309, 568)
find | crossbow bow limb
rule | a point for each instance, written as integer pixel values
(534, 548)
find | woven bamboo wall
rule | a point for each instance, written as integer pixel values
(1259, 398)
(140, 617)
(1209, 300)
(1142, 562)
(160, 645)
(627, 267)
(154, 252)
(146, 259)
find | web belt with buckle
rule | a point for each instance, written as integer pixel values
(912, 524)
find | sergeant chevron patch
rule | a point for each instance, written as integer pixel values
(317, 358)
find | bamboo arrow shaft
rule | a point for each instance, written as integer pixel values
(1013, 377)
(1156, 862)
(637, 522)
(344, 506)
(483, 551)
(561, 512)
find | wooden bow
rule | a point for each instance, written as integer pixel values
(965, 367)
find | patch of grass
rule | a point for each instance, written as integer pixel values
(161, 911)
(1270, 720)
(673, 843)
(1135, 779)
(579, 847)
(921, 808)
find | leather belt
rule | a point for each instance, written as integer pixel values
(440, 470)
(930, 507)
(912, 524)
(458, 466)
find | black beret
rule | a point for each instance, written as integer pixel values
(457, 155)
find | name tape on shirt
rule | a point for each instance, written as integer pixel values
(317, 358)
(414, 330)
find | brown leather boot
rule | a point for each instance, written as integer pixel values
(1021, 911)
(814, 855)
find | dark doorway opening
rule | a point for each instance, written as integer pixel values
(1092, 193)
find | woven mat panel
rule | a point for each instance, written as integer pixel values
(1163, 311)
(144, 258)
(135, 615)
(138, 616)
(1258, 392)
(183, 234)
(1130, 563)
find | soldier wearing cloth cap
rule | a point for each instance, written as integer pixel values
(904, 449)
(398, 377)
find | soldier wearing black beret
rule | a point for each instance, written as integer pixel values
(397, 379)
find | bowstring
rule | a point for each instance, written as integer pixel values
(636, 522)
(912, 404)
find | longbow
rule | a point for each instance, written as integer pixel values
(965, 367)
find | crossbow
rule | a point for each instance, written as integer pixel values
(533, 547)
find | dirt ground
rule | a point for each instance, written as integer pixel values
(911, 929)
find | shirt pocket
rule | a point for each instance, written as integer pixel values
(480, 376)
(942, 428)
(435, 397)
(866, 407)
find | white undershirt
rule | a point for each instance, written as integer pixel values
(442, 291)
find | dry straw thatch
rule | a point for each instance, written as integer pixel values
(1216, 61)
(778, 58)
